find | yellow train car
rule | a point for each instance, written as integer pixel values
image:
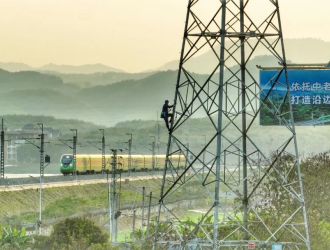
(92, 163)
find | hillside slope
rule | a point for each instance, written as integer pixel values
(89, 80)
(40, 94)
(65, 69)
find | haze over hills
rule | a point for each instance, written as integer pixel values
(27, 80)
(15, 66)
(309, 50)
(43, 94)
(111, 97)
(107, 105)
(88, 80)
(81, 69)
(65, 69)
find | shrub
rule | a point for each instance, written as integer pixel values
(12, 238)
(77, 233)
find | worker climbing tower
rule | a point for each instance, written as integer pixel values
(245, 180)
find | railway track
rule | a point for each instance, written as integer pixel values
(62, 181)
(67, 180)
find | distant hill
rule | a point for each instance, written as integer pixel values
(13, 122)
(88, 80)
(82, 69)
(15, 67)
(308, 50)
(27, 80)
(65, 69)
(31, 80)
(102, 104)
(108, 105)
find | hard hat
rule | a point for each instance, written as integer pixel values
(166, 101)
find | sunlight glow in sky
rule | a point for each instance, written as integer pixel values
(133, 35)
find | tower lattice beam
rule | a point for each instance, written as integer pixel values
(248, 187)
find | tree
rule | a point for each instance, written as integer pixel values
(316, 175)
(77, 233)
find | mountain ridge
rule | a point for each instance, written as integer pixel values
(61, 68)
(36, 94)
(298, 50)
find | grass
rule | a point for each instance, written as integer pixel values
(66, 201)
(59, 202)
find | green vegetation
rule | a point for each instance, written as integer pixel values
(21, 206)
(66, 201)
(73, 233)
(316, 173)
(12, 238)
(78, 233)
(310, 139)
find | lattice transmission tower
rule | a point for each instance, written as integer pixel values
(247, 185)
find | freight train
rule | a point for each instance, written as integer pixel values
(92, 163)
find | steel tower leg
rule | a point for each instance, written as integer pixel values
(250, 193)
(294, 133)
(244, 138)
(219, 134)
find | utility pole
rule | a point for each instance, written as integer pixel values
(110, 206)
(116, 215)
(41, 173)
(103, 151)
(133, 229)
(41, 149)
(129, 153)
(114, 199)
(74, 148)
(2, 156)
(153, 160)
(149, 213)
(113, 195)
(142, 219)
(232, 99)
(43, 160)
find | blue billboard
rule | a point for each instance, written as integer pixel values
(309, 96)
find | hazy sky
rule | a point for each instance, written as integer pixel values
(132, 35)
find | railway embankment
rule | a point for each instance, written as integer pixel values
(19, 204)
